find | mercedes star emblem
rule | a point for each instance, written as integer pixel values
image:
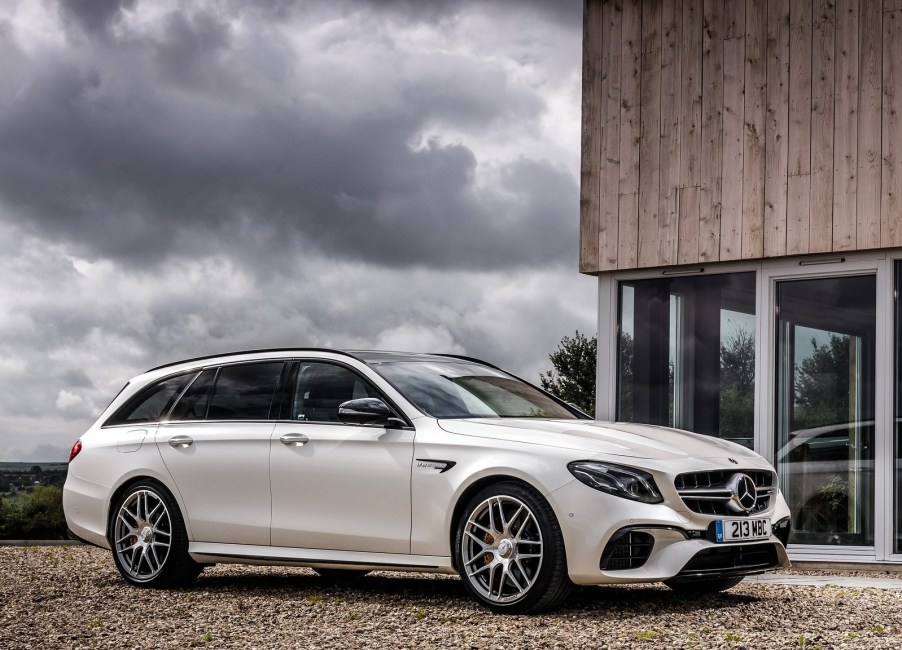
(744, 496)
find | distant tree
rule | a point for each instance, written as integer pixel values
(737, 385)
(42, 513)
(573, 377)
(625, 407)
(822, 385)
(10, 519)
(35, 469)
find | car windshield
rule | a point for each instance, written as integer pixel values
(468, 390)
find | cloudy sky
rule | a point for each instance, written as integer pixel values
(186, 178)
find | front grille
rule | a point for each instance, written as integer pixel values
(628, 549)
(733, 559)
(706, 492)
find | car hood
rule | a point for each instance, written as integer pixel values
(592, 436)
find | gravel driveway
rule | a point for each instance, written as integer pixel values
(72, 597)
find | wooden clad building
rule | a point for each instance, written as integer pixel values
(721, 130)
(741, 207)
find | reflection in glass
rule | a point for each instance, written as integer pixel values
(687, 354)
(825, 407)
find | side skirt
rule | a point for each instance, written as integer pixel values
(212, 553)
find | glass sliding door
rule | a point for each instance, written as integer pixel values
(897, 411)
(687, 354)
(825, 398)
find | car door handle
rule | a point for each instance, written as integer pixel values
(181, 441)
(296, 439)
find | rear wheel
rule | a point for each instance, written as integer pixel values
(702, 587)
(510, 552)
(148, 538)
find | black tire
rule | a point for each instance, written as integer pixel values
(148, 539)
(702, 587)
(341, 575)
(527, 583)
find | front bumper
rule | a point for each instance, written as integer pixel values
(680, 542)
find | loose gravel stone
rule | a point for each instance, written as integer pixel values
(72, 597)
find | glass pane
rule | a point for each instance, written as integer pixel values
(193, 404)
(625, 353)
(152, 403)
(687, 354)
(897, 546)
(322, 388)
(825, 407)
(736, 419)
(459, 389)
(244, 392)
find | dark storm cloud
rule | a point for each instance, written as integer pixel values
(180, 178)
(94, 17)
(567, 12)
(157, 146)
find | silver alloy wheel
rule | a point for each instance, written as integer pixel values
(143, 535)
(501, 549)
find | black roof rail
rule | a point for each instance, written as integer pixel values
(473, 359)
(260, 351)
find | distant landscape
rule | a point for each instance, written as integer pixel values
(31, 500)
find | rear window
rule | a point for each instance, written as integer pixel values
(152, 403)
(194, 402)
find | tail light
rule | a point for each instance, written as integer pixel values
(75, 449)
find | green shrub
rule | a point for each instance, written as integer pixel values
(35, 515)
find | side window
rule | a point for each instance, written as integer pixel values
(193, 404)
(152, 403)
(244, 392)
(322, 387)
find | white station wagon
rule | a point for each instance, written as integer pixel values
(349, 462)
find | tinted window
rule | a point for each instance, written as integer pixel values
(687, 354)
(244, 392)
(322, 387)
(193, 404)
(152, 403)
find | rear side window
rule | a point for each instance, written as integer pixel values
(152, 403)
(193, 404)
(244, 392)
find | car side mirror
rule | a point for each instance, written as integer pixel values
(368, 411)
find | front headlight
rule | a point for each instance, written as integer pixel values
(618, 480)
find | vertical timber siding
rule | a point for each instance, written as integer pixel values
(721, 130)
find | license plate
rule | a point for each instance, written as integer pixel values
(738, 530)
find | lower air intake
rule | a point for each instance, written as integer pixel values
(628, 549)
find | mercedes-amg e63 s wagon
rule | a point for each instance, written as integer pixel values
(348, 462)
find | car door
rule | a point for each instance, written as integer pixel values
(338, 486)
(215, 444)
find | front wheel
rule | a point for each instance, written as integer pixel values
(148, 538)
(510, 552)
(702, 587)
